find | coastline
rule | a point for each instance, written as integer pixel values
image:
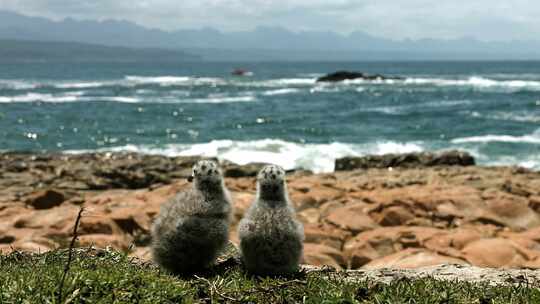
(404, 217)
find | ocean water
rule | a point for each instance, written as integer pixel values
(279, 115)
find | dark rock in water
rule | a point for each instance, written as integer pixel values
(91, 171)
(408, 160)
(252, 169)
(347, 75)
(235, 171)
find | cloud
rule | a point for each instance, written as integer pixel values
(398, 19)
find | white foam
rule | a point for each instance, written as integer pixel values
(125, 99)
(476, 81)
(528, 139)
(35, 97)
(295, 81)
(174, 80)
(290, 155)
(279, 82)
(79, 85)
(217, 99)
(521, 116)
(280, 92)
(17, 84)
(531, 161)
(324, 89)
(77, 96)
(158, 79)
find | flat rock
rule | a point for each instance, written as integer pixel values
(426, 211)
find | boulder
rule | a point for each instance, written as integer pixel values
(348, 75)
(495, 253)
(325, 234)
(45, 199)
(380, 242)
(408, 160)
(394, 216)
(235, 171)
(320, 255)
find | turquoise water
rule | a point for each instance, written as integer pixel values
(280, 115)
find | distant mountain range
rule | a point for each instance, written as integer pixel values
(263, 43)
(32, 51)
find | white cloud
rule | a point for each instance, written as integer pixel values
(485, 19)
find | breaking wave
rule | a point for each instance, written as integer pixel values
(290, 155)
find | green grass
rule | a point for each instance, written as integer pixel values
(111, 277)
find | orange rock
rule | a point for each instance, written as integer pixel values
(352, 218)
(34, 244)
(394, 216)
(363, 254)
(320, 255)
(131, 220)
(412, 258)
(328, 207)
(514, 211)
(494, 253)
(311, 216)
(92, 224)
(242, 201)
(108, 197)
(325, 234)
(58, 217)
(322, 194)
(456, 239)
(303, 201)
(380, 242)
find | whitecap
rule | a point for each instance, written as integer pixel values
(290, 155)
(217, 99)
(280, 92)
(528, 139)
(279, 82)
(477, 82)
(15, 84)
(37, 97)
(174, 80)
(79, 85)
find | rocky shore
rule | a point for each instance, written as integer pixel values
(401, 211)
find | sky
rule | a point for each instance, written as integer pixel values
(486, 20)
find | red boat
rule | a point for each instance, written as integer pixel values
(241, 72)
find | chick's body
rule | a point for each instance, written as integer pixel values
(270, 235)
(193, 227)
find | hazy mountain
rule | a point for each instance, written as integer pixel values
(262, 43)
(25, 50)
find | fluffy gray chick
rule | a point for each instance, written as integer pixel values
(271, 238)
(193, 227)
